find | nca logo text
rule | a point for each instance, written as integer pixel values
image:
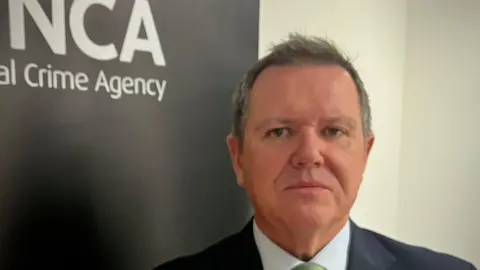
(53, 30)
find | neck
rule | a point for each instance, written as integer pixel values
(300, 243)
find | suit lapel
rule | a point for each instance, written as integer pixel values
(246, 254)
(366, 252)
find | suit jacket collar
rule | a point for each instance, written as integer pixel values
(249, 257)
(365, 252)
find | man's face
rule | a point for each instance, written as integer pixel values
(304, 152)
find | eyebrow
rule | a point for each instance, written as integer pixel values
(289, 121)
(344, 119)
(269, 121)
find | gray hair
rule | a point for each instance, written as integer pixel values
(298, 49)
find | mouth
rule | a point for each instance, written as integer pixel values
(307, 186)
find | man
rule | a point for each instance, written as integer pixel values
(300, 143)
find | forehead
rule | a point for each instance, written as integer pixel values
(307, 90)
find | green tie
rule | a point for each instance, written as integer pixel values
(308, 266)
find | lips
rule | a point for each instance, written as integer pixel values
(307, 185)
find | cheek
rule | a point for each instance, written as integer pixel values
(347, 166)
(265, 166)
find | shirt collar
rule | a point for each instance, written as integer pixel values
(332, 257)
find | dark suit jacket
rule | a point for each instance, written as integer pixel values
(368, 251)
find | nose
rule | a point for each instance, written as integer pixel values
(309, 152)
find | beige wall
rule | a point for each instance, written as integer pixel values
(440, 159)
(420, 183)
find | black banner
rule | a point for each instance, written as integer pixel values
(113, 117)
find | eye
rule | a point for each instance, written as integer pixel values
(278, 132)
(333, 132)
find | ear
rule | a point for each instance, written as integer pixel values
(234, 148)
(368, 147)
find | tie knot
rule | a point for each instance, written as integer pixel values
(308, 266)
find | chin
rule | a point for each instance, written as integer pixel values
(308, 217)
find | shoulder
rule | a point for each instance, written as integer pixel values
(206, 259)
(416, 257)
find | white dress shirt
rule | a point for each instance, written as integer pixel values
(333, 256)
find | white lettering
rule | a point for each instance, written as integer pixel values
(142, 14)
(117, 86)
(55, 78)
(102, 82)
(139, 84)
(8, 74)
(127, 83)
(54, 32)
(47, 73)
(55, 36)
(13, 70)
(149, 87)
(80, 80)
(27, 74)
(64, 77)
(80, 36)
(4, 75)
(161, 89)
